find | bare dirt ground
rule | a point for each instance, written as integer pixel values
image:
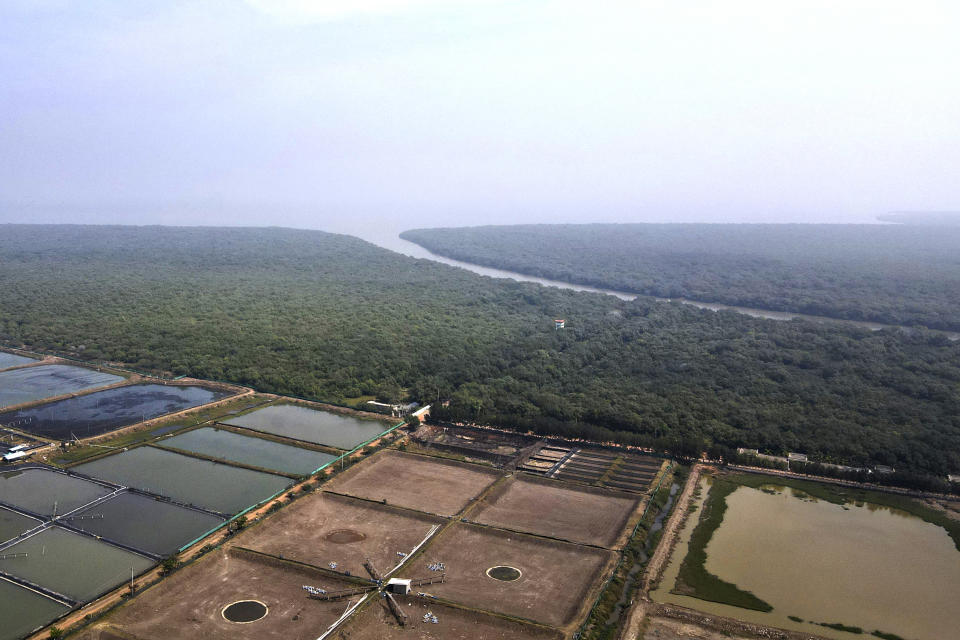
(667, 629)
(189, 603)
(376, 622)
(557, 581)
(431, 485)
(323, 528)
(554, 509)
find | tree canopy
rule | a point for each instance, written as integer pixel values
(894, 274)
(332, 317)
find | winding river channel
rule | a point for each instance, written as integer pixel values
(388, 239)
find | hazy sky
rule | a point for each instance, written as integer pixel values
(327, 113)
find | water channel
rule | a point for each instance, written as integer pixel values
(861, 565)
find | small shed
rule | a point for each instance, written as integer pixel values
(398, 586)
(560, 323)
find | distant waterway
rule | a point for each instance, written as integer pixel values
(414, 250)
(857, 564)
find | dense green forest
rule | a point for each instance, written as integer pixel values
(903, 275)
(332, 317)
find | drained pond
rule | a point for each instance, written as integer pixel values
(257, 452)
(48, 381)
(103, 411)
(310, 425)
(210, 485)
(812, 561)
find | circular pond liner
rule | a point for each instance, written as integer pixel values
(345, 536)
(244, 611)
(504, 573)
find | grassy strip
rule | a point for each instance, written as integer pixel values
(838, 494)
(693, 573)
(839, 626)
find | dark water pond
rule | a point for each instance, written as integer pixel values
(48, 381)
(107, 410)
(23, 610)
(257, 452)
(210, 485)
(40, 490)
(245, 611)
(72, 564)
(8, 360)
(145, 523)
(310, 425)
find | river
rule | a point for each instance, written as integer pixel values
(390, 239)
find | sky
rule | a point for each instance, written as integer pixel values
(391, 114)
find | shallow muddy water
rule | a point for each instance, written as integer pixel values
(257, 452)
(8, 360)
(48, 381)
(145, 523)
(209, 485)
(107, 410)
(310, 425)
(23, 610)
(867, 566)
(74, 565)
(41, 491)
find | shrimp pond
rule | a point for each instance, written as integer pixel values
(810, 555)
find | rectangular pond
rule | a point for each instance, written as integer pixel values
(257, 452)
(22, 611)
(40, 490)
(104, 411)
(72, 564)
(209, 485)
(8, 360)
(13, 524)
(814, 561)
(310, 425)
(48, 381)
(145, 523)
